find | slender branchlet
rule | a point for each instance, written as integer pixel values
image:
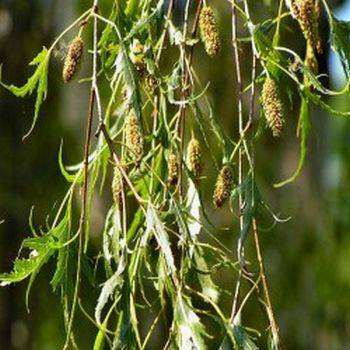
(209, 31)
(223, 186)
(173, 169)
(194, 157)
(272, 106)
(133, 137)
(308, 13)
(72, 60)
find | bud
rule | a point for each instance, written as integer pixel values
(223, 186)
(137, 56)
(71, 63)
(272, 106)
(173, 169)
(133, 137)
(209, 31)
(194, 157)
(308, 13)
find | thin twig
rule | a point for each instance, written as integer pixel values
(82, 223)
(240, 152)
(270, 313)
(187, 62)
(88, 134)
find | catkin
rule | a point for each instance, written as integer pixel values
(133, 137)
(318, 9)
(151, 84)
(223, 186)
(307, 13)
(194, 157)
(311, 60)
(71, 63)
(117, 186)
(272, 106)
(173, 169)
(209, 31)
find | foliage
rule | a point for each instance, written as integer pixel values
(163, 254)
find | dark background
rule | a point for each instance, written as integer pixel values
(307, 258)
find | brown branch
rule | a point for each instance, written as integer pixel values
(240, 153)
(270, 313)
(82, 222)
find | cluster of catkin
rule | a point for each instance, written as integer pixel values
(193, 162)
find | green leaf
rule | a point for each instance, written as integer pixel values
(109, 288)
(340, 41)
(244, 341)
(188, 329)
(111, 235)
(251, 198)
(69, 177)
(209, 289)
(304, 124)
(38, 82)
(132, 7)
(62, 233)
(264, 46)
(100, 337)
(132, 84)
(24, 267)
(316, 99)
(155, 225)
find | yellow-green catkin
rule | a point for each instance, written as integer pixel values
(311, 60)
(223, 186)
(133, 137)
(194, 157)
(72, 60)
(272, 106)
(308, 13)
(117, 186)
(173, 169)
(151, 84)
(209, 31)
